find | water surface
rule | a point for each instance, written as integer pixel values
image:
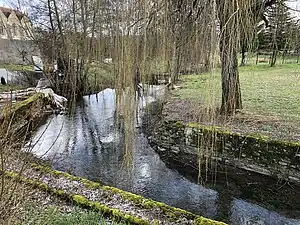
(88, 144)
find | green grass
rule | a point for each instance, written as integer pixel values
(264, 59)
(8, 87)
(52, 216)
(270, 98)
(265, 90)
(100, 76)
(272, 91)
(16, 67)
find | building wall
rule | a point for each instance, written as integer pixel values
(14, 25)
(11, 51)
(3, 26)
(16, 38)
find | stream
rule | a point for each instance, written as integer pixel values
(89, 145)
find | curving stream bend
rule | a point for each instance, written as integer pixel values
(89, 145)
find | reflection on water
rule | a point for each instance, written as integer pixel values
(253, 214)
(89, 145)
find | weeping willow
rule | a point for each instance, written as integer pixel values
(173, 36)
(153, 38)
(147, 37)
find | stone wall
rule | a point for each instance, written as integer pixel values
(11, 51)
(187, 143)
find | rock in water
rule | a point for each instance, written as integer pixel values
(3, 82)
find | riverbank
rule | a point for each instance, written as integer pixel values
(249, 156)
(53, 188)
(246, 167)
(270, 101)
(111, 202)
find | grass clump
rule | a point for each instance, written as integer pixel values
(52, 216)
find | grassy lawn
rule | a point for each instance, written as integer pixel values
(270, 95)
(8, 87)
(265, 58)
(16, 67)
(272, 91)
(100, 76)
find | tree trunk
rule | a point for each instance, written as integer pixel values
(274, 47)
(231, 93)
(174, 65)
(178, 63)
(244, 52)
(283, 57)
(273, 57)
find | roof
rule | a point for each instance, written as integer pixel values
(8, 11)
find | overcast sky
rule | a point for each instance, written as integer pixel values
(2, 3)
(294, 4)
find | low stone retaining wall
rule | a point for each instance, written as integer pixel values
(189, 144)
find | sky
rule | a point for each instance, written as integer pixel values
(2, 3)
(294, 4)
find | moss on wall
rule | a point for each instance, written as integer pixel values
(170, 212)
(277, 156)
(204, 221)
(111, 212)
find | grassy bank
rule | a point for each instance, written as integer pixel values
(270, 98)
(53, 216)
(8, 87)
(111, 202)
(16, 67)
(101, 76)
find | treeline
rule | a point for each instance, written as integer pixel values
(169, 36)
(140, 36)
(281, 35)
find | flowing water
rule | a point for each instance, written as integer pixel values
(89, 145)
